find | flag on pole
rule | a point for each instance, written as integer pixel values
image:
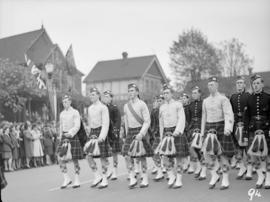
(36, 72)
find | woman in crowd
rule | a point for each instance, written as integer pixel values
(15, 150)
(48, 143)
(7, 147)
(37, 147)
(28, 144)
(22, 160)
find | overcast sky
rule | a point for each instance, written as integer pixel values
(103, 29)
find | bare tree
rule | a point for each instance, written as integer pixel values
(234, 59)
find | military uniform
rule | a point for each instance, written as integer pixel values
(257, 118)
(114, 128)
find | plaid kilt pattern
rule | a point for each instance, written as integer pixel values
(116, 145)
(105, 149)
(76, 149)
(226, 142)
(132, 132)
(156, 141)
(234, 138)
(252, 135)
(180, 142)
(193, 125)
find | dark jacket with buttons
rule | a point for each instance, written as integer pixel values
(115, 122)
(195, 114)
(239, 103)
(257, 112)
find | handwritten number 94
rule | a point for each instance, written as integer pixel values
(252, 193)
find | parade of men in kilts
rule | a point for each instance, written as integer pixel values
(217, 125)
(69, 126)
(136, 145)
(114, 130)
(155, 137)
(174, 144)
(257, 126)
(98, 143)
(194, 135)
(239, 102)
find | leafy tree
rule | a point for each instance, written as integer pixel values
(192, 57)
(16, 85)
(234, 60)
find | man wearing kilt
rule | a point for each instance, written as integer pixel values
(114, 130)
(155, 136)
(98, 126)
(239, 103)
(257, 125)
(137, 122)
(195, 112)
(69, 126)
(172, 122)
(217, 119)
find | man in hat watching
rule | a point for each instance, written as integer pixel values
(172, 120)
(114, 130)
(217, 115)
(98, 123)
(195, 112)
(137, 122)
(239, 102)
(257, 120)
(69, 126)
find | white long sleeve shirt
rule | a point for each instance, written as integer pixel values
(70, 121)
(141, 109)
(172, 114)
(98, 116)
(217, 108)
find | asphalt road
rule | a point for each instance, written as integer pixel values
(42, 185)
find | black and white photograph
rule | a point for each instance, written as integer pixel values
(135, 100)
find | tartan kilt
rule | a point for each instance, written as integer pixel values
(76, 149)
(156, 141)
(180, 142)
(193, 125)
(132, 132)
(252, 135)
(226, 142)
(105, 149)
(116, 145)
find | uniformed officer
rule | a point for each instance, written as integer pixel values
(256, 123)
(172, 120)
(155, 136)
(98, 125)
(114, 130)
(195, 112)
(239, 103)
(69, 126)
(137, 121)
(217, 118)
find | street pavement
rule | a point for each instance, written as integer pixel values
(42, 185)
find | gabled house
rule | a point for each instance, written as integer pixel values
(115, 75)
(39, 48)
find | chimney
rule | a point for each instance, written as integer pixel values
(124, 55)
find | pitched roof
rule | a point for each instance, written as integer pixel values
(120, 69)
(14, 47)
(227, 84)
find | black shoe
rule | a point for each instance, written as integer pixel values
(176, 187)
(159, 179)
(212, 186)
(76, 186)
(190, 172)
(65, 186)
(239, 177)
(94, 185)
(109, 176)
(202, 178)
(248, 178)
(144, 185)
(196, 175)
(113, 178)
(102, 186)
(133, 185)
(259, 186)
(267, 187)
(224, 187)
